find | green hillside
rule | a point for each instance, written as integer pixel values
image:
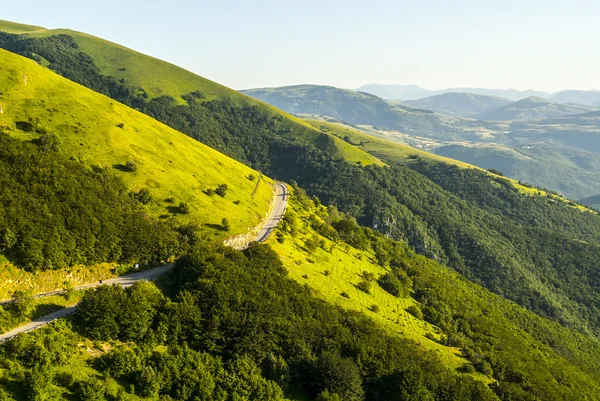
(99, 131)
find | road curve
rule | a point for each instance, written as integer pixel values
(123, 281)
(276, 215)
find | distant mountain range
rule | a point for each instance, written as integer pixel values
(412, 92)
(549, 144)
(533, 108)
(460, 104)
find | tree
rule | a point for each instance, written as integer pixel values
(225, 224)
(221, 190)
(131, 166)
(183, 208)
(340, 376)
(143, 196)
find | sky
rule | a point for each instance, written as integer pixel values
(546, 45)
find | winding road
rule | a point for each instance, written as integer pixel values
(277, 213)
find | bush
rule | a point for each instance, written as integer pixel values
(390, 284)
(221, 190)
(225, 224)
(183, 208)
(374, 308)
(49, 142)
(415, 311)
(143, 196)
(210, 192)
(131, 166)
(365, 286)
(251, 177)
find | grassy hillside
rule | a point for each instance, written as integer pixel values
(98, 130)
(459, 104)
(336, 271)
(570, 171)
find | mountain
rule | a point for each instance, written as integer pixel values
(413, 92)
(533, 108)
(395, 92)
(365, 109)
(434, 284)
(589, 98)
(459, 104)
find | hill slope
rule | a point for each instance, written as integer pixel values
(459, 104)
(97, 130)
(533, 108)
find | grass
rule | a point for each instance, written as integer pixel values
(334, 272)
(13, 27)
(100, 131)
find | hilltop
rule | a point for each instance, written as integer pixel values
(459, 104)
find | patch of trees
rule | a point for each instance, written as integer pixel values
(56, 213)
(239, 326)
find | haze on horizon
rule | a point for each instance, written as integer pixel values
(531, 44)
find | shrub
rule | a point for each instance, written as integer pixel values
(143, 196)
(221, 190)
(251, 177)
(131, 166)
(210, 192)
(415, 311)
(365, 286)
(225, 224)
(390, 284)
(374, 308)
(49, 142)
(183, 208)
(368, 276)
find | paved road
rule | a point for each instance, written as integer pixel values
(124, 281)
(128, 280)
(277, 213)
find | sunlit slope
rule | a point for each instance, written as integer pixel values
(524, 340)
(100, 131)
(385, 150)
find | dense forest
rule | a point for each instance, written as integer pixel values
(534, 250)
(56, 213)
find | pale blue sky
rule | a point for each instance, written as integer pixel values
(546, 45)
